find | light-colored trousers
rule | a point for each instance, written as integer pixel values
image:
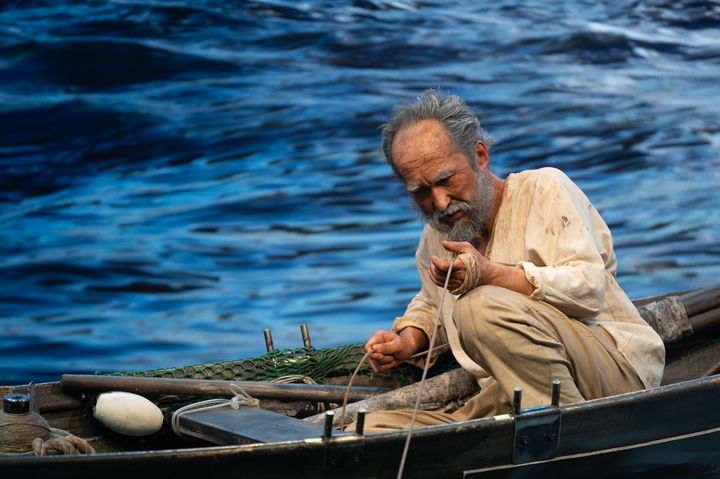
(527, 343)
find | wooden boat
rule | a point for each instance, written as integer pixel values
(669, 431)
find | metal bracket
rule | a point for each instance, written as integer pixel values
(537, 434)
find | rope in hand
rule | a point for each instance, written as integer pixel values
(425, 369)
(352, 378)
(241, 398)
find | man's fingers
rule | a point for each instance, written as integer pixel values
(439, 268)
(458, 246)
(373, 365)
(385, 367)
(441, 265)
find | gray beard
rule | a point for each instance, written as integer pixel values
(475, 223)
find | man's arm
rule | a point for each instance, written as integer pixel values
(488, 272)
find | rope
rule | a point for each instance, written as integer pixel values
(295, 378)
(241, 398)
(68, 445)
(472, 274)
(57, 441)
(425, 370)
(17, 431)
(347, 391)
(423, 353)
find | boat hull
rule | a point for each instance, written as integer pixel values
(670, 431)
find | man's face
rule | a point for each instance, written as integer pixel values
(452, 196)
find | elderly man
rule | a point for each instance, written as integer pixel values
(533, 296)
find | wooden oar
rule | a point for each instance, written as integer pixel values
(215, 388)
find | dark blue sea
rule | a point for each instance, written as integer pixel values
(177, 176)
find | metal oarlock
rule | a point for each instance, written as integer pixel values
(555, 401)
(327, 432)
(517, 401)
(305, 335)
(360, 425)
(268, 341)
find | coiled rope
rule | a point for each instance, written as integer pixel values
(65, 444)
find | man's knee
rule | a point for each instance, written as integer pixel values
(483, 309)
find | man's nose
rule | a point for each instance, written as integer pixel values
(441, 200)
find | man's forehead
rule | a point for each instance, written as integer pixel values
(426, 137)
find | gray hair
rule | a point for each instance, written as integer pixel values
(460, 123)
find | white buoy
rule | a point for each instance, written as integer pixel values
(128, 413)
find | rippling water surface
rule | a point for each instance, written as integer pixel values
(177, 176)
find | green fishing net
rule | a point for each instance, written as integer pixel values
(318, 364)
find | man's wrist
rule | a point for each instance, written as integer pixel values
(415, 339)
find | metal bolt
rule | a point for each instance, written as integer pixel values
(523, 441)
(550, 436)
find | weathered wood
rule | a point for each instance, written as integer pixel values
(701, 308)
(49, 396)
(214, 388)
(683, 364)
(437, 391)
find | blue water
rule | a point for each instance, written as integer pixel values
(177, 176)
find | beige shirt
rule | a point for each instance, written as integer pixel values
(548, 227)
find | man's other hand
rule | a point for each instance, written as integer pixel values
(388, 350)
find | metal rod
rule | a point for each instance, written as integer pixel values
(517, 401)
(360, 425)
(268, 341)
(327, 432)
(305, 335)
(555, 393)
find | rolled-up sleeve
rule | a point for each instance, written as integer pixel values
(568, 258)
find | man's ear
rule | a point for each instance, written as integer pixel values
(482, 157)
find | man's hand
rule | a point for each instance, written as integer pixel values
(389, 349)
(439, 267)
